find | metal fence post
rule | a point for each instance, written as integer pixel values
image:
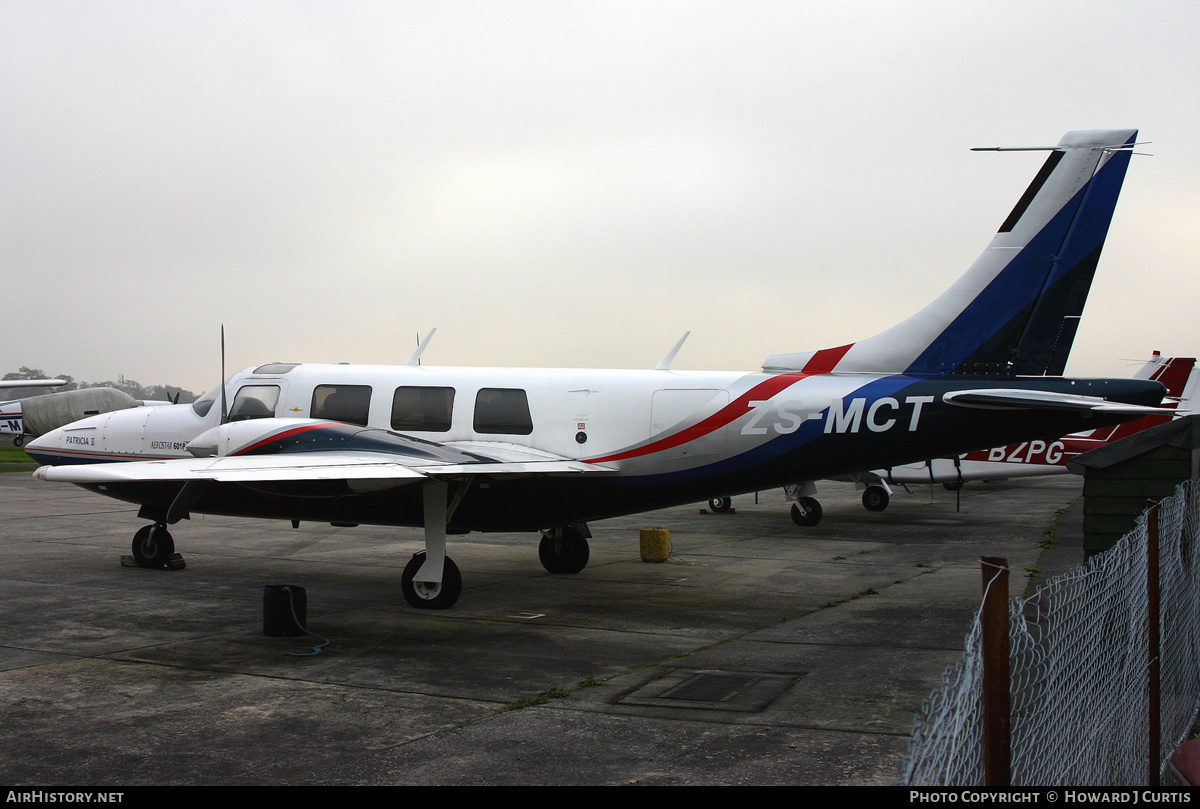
(1152, 646)
(997, 703)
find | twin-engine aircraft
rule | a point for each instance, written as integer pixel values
(506, 449)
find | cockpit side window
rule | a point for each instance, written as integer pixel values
(254, 402)
(202, 405)
(417, 409)
(348, 403)
(502, 410)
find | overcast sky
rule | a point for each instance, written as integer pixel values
(562, 183)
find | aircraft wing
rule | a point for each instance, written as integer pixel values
(304, 466)
(237, 469)
(5, 384)
(1013, 399)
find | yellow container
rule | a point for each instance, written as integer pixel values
(656, 544)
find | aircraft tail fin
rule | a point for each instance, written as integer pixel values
(1016, 310)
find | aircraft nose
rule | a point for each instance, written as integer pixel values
(78, 442)
(44, 448)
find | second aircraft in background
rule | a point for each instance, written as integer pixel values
(1034, 458)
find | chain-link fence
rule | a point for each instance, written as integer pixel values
(1080, 674)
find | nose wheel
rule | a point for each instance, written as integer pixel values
(153, 546)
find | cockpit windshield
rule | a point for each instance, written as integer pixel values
(204, 404)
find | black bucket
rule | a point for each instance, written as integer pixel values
(279, 603)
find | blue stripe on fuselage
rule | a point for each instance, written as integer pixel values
(810, 430)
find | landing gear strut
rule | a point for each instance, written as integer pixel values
(431, 580)
(153, 546)
(564, 550)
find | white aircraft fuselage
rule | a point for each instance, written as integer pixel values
(592, 443)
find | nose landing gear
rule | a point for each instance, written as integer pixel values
(154, 548)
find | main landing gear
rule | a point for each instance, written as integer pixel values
(720, 505)
(431, 579)
(806, 510)
(565, 549)
(431, 595)
(876, 498)
(562, 550)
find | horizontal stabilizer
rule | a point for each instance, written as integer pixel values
(1010, 399)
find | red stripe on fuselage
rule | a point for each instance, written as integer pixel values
(734, 410)
(279, 437)
(825, 360)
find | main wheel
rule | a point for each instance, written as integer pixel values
(564, 551)
(806, 512)
(426, 595)
(720, 505)
(875, 498)
(19, 440)
(952, 485)
(153, 546)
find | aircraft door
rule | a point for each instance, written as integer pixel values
(256, 401)
(678, 409)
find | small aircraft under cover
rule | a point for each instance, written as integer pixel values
(510, 449)
(35, 415)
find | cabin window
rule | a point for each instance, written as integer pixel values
(502, 410)
(254, 402)
(348, 403)
(422, 409)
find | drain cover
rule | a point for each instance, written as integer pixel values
(708, 687)
(742, 691)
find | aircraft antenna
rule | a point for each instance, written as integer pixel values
(224, 406)
(665, 365)
(415, 359)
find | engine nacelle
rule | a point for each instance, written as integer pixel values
(238, 437)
